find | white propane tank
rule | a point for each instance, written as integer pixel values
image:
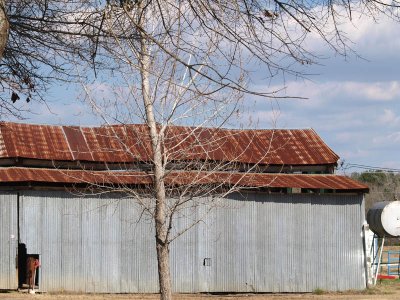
(384, 218)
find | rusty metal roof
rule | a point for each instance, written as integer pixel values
(130, 143)
(255, 180)
(16, 174)
(33, 141)
(268, 180)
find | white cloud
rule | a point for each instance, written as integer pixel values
(392, 139)
(365, 34)
(359, 120)
(381, 91)
(389, 117)
(318, 93)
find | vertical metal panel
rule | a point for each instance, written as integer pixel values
(274, 243)
(8, 241)
(185, 261)
(289, 243)
(257, 242)
(234, 261)
(138, 255)
(91, 244)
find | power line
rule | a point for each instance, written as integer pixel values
(370, 168)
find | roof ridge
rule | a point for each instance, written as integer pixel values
(2, 123)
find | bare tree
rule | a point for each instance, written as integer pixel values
(189, 63)
(39, 41)
(4, 27)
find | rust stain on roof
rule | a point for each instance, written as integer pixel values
(255, 180)
(33, 141)
(130, 143)
(305, 181)
(14, 174)
(77, 143)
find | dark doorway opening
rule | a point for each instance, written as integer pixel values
(21, 265)
(23, 272)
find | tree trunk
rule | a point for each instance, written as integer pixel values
(164, 276)
(4, 27)
(160, 213)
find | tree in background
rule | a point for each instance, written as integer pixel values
(384, 186)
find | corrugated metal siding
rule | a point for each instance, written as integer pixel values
(8, 241)
(89, 245)
(264, 243)
(303, 242)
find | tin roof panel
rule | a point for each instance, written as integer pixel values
(77, 143)
(33, 141)
(250, 180)
(129, 143)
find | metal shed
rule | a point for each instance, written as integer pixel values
(253, 242)
(285, 231)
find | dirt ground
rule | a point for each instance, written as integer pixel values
(385, 290)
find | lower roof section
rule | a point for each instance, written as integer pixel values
(15, 175)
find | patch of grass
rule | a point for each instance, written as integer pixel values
(383, 287)
(388, 286)
(318, 291)
(395, 282)
(371, 291)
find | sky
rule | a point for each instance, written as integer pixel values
(352, 102)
